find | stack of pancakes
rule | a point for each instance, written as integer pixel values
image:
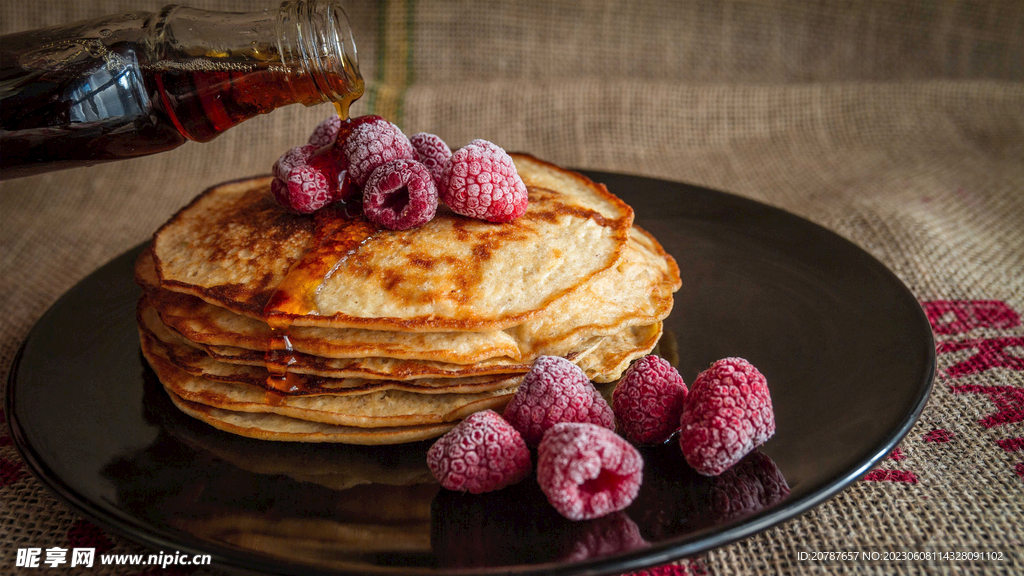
(323, 328)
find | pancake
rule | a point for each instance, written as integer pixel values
(616, 352)
(278, 428)
(637, 291)
(236, 248)
(202, 322)
(387, 368)
(603, 359)
(368, 368)
(157, 339)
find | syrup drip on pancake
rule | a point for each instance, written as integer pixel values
(281, 381)
(338, 235)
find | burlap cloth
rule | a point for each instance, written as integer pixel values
(899, 125)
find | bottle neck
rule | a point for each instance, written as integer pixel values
(315, 43)
(214, 70)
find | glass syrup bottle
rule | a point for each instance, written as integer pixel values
(136, 84)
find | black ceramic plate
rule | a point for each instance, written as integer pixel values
(846, 349)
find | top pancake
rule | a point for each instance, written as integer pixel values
(235, 247)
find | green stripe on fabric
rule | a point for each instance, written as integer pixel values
(410, 29)
(395, 63)
(372, 88)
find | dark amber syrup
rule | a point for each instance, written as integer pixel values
(115, 104)
(279, 357)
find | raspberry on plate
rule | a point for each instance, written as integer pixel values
(399, 195)
(555, 390)
(480, 181)
(648, 401)
(728, 413)
(372, 143)
(432, 152)
(482, 453)
(587, 471)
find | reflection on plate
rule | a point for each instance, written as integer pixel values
(790, 296)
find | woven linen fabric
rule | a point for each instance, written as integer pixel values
(898, 125)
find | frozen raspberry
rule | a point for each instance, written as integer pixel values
(293, 158)
(555, 390)
(587, 471)
(305, 191)
(399, 195)
(326, 132)
(432, 152)
(335, 130)
(480, 181)
(481, 454)
(753, 484)
(347, 189)
(728, 413)
(648, 401)
(306, 178)
(373, 143)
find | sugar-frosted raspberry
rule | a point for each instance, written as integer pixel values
(481, 454)
(326, 132)
(431, 151)
(480, 181)
(373, 143)
(728, 413)
(555, 390)
(334, 130)
(345, 128)
(306, 178)
(752, 485)
(293, 158)
(399, 195)
(648, 401)
(305, 191)
(587, 471)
